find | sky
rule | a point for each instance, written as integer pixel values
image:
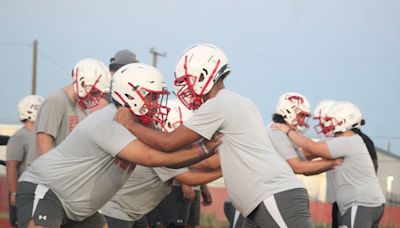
(341, 50)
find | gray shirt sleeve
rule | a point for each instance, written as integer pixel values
(165, 174)
(111, 136)
(338, 147)
(208, 119)
(282, 143)
(50, 117)
(15, 148)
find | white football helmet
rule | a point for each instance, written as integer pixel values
(198, 69)
(142, 89)
(178, 114)
(28, 107)
(320, 112)
(92, 81)
(343, 116)
(295, 109)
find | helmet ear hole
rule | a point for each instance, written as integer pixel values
(129, 96)
(201, 78)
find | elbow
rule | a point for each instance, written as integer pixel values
(298, 169)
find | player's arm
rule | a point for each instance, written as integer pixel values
(312, 167)
(206, 195)
(194, 178)
(139, 153)
(44, 142)
(307, 154)
(167, 142)
(208, 164)
(12, 179)
(319, 149)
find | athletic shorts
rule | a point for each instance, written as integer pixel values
(194, 210)
(119, 223)
(40, 204)
(284, 209)
(360, 217)
(174, 209)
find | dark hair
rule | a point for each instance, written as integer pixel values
(114, 66)
(367, 140)
(278, 118)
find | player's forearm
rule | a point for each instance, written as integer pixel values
(200, 178)
(158, 140)
(12, 175)
(208, 164)
(315, 167)
(319, 149)
(44, 143)
(186, 157)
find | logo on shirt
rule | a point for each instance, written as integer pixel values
(124, 164)
(42, 217)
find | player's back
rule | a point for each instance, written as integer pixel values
(251, 167)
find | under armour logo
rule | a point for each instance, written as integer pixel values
(42, 217)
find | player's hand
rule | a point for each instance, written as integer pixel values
(188, 192)
(206, 195)
(337, 161)
(13, 199)
(215, 141)
(280, 127)
(125, 117)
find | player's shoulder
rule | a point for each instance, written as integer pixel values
(57, 96)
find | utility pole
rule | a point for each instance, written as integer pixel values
(34, 66)
(155, 55)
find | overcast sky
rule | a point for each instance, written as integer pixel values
(343, 50)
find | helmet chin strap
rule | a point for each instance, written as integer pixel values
(145, 120)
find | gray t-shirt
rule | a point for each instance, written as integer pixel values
(57, 116)
(84, 170)
(141, 193)
(285, 148)
(18, 147)
(251, 167)
(355, 180)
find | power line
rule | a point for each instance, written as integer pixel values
(7, 43)
(53, 61)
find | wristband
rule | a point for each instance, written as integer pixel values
(202, 149)
(287, 133)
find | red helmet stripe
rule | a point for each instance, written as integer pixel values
(211, 77)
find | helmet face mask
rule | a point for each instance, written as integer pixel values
(341, 117)
(320, 112)
(295, 110)
(198, 69)
(142, 89)
(184, 91)
(92, 82)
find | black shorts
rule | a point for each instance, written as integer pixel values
(119, 223)
(40, 204)
(174, 209)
